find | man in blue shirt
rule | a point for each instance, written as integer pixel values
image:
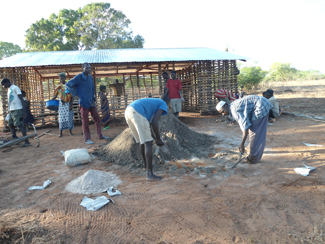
(142, 117)
(83, 86)
(252, 115)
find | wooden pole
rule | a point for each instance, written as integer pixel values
(138, 83)
(159, 79)
(144, 83)
(125, 95)
(132, 87)
(151, 84)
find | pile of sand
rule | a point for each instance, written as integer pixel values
(93, 181)
(180, 143)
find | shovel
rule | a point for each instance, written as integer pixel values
(232, 166)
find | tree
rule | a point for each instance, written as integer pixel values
(45, 35)
(251, 76)
(8, 49)
(281, 72)
(95, 26)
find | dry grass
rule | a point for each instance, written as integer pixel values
(310, 88)
(22, 231)
(316, 235)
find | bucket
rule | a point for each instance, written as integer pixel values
(52, 105)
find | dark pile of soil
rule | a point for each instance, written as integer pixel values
(180, 143)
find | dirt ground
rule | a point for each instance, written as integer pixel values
(263, 203)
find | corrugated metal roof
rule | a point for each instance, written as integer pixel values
(116, 56)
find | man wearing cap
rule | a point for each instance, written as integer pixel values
(174, 88)
(83, 86)
(275, 112)
(16, 108)
(65, 105)
(252, 114)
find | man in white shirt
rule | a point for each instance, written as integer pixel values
(275, 112)
(16, 108)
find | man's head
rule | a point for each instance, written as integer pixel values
(268, 93)
(86, 68)
(5, 83)
(223, 108)
(165, 75)
(116, 81)
(173, 74)
(62, 77)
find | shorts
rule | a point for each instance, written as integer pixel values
(16, 117)
(139, 125)
(176, 105)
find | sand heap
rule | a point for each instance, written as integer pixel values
(93, 181)
(180, 143)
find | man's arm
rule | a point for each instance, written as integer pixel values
(276, 109)
(93, 91)
(71, 85)
(155, 127)
(180, 93)
(242, 144)
(180, 90)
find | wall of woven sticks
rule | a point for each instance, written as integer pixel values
(199, 81)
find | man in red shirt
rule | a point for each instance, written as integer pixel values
(174, 88)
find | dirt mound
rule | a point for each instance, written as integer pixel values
(180, 143)
(93, 181)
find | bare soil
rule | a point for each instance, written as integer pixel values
(198, 200)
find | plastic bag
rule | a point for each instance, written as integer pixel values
(75, 157)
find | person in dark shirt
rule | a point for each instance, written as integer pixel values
(165, 96)
(104, 105)
(83, 86)
(29, 117)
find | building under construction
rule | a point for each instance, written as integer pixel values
(201, 70)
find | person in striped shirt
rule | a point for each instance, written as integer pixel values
(252, 115)
(225, 95)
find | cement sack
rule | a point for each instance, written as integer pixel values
(75, 157)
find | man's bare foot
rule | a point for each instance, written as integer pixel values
(60, 135)
(154, 177)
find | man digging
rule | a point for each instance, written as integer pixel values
(142, 117)
(252, 114)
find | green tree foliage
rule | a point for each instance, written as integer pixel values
(251, 76)
(281, 72)
(8, 49)
(308, 75)
(95, 26)
(284, 72)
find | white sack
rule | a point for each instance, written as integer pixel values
(75, 157)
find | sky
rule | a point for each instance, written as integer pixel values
(265, 31)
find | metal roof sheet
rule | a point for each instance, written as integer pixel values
(116, 56)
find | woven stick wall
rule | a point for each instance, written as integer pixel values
(199, 81)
